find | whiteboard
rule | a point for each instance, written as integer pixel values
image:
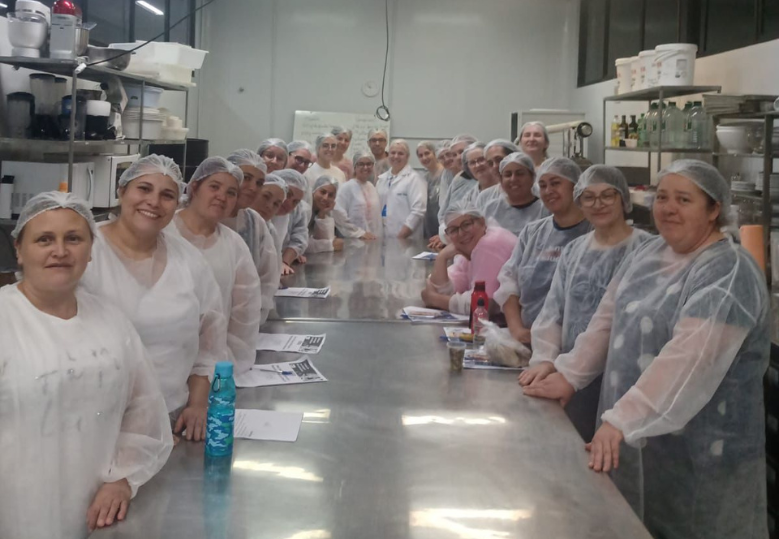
(310, 124)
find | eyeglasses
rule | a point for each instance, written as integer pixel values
(466, 226)
(495, 163)
(302, 161)
(476, 162)
(376, 140)
(363, 165)
(328, 146)
(607, 198)
(271, 157)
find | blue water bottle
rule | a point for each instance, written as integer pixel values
(221, 412)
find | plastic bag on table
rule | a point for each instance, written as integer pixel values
(501, 347)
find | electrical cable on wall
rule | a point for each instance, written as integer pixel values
(383, 113)
(130, 51)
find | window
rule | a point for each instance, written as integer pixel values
(150, 19)
(113, 22)
(626, 25)
(728, 24)
(661, 23)
(592, 41)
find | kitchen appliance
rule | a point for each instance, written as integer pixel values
(110, 57)
(65, 23)
(97, 120)
(44, 90)
(28, 27)
(31, 179)
(81, 117)
(108, 170)
(20, 112)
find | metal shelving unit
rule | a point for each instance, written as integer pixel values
(660, 94)
(79, 70)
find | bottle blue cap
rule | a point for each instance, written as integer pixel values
(224, 369)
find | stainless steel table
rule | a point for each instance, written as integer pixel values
(393, 446)
(368, 281)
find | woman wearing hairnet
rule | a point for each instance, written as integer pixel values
(301, 155)
(340, 159)
(682, 339)
(525, 279)
(291, 220)
(164, 286)
(426, 153)
(403, 195)
(358, 198)
(253, 228)
(82, 422)
(213, 194)
(534, 140)
(377, 142)
(494, 152)
(321, 228)
(512, 203)
(267, 204)
(452, 167)
(582, 275)
(326, 146)
(456, 149)
(479, 251)
(274, 153)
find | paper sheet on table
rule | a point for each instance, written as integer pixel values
(421, 315)
(426, 255)
(301, 371)
(315, 293)
(477, 359)
(267, 425)
(282, 342)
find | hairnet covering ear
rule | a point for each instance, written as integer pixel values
(468, 139)
(604, 174)
(296, 145)
(707, 178)
(248, 158)
(464, 157)
(508, 147)
(460, 208)
(321, 138)
(324, 181)
(52, 200)
(362, 155)
(153, 164)
(519, 158)
(293, 178)
(427, 144)
(211, 166)
(272, 143)
(340, 130)
(273, 179)
(535, 124)
(557, 166)
(441, 147)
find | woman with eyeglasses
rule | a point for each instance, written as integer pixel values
(512, 203)
(301, 155)
(377, 142)
(403, 195)
(479, 251)
(534, 140)
(426, 153)
(274, 152)
(584, 271)
(326, 145)
(340, 159)
(526, 278)
(359, 199)
(321, 228)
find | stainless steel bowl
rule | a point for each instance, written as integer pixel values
(82, 41)
(98, 54)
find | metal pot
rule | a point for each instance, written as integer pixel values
(98, 54)
(82, 40)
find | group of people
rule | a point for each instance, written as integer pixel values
(656, 345)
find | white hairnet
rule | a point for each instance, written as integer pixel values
(534, 124)
(604, 174)
(362, 155)
(339, 130)
(323, 181)
(401, 142)
(215, 165)
(558, 166)
(508, 146)
(293, 178)
(519, 158)
(707, 178)
(464, 157)
(248, 158)
(274, 179)
(469, 139)
(153, 164)
(441, 147)
(296, 145)
(377, 132)
(460, 208)
(52, 200)
(321, 138)
(272, 142)
(430, 145)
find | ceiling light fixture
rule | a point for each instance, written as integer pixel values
(3, 5)
(148, 7)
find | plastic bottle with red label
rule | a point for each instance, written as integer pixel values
(479, 292)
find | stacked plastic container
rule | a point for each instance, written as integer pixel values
(166, 62)
(672, 64)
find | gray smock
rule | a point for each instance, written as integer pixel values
(493, 203)
(528, 273)
(433, 197)
(683, 343)
(583, 273)
(443, 191)
(297, 229)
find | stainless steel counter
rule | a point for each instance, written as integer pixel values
(393, 446)
(368, 281)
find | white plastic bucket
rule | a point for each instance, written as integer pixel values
(675, 64)
(647, 73)
(625, 84)
(635, 70)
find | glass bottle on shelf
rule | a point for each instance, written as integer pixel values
(673, 126)
(623, 131)
(615, 132)
(642, 138)
(686, 139)
(699, 127)
(653, 125)
(633, 128)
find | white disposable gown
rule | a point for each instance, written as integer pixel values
(296, 237)
(79, 406)
(360, 202)
(494, 204)
(403, 199)
(321, 235)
